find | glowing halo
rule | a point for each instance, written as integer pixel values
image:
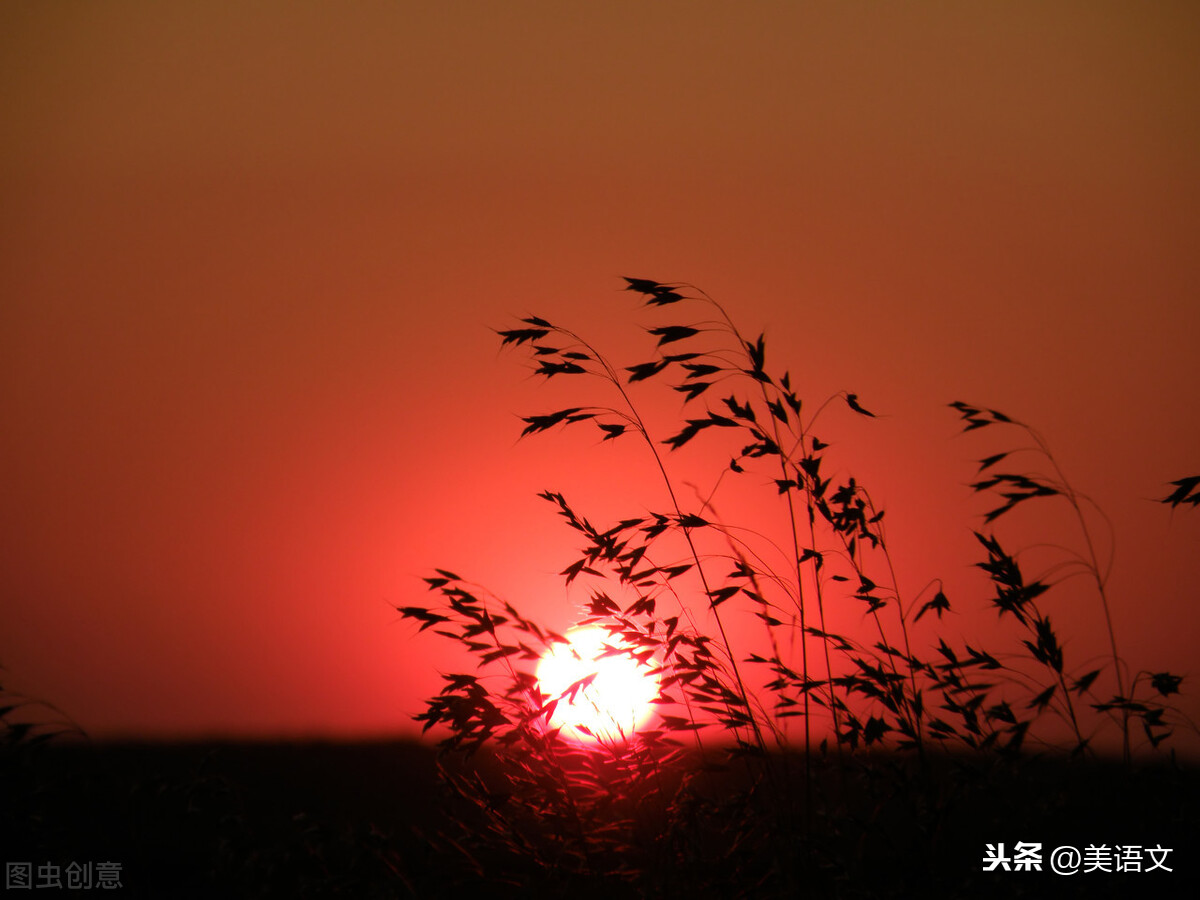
(613, 704)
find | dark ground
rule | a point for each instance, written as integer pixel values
(355, 820)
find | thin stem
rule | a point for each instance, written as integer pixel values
(1072, 498)
(644, 431)
(795, 534)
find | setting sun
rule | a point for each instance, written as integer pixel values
(617, 700)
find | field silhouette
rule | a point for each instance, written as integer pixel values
(788, 755)
(371, 820)
(839, 754)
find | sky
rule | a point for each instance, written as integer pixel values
(251, 257)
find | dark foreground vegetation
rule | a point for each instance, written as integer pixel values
(371, 820)
(891, 755)
(822, 729)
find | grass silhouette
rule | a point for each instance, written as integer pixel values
(802, 759)
(788, 755)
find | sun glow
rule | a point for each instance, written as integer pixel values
(613, 704)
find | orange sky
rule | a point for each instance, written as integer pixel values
(249, 257)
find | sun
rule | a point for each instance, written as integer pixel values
(614, 704)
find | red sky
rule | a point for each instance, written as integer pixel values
(250, 256)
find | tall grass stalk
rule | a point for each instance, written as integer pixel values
(627, 807)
